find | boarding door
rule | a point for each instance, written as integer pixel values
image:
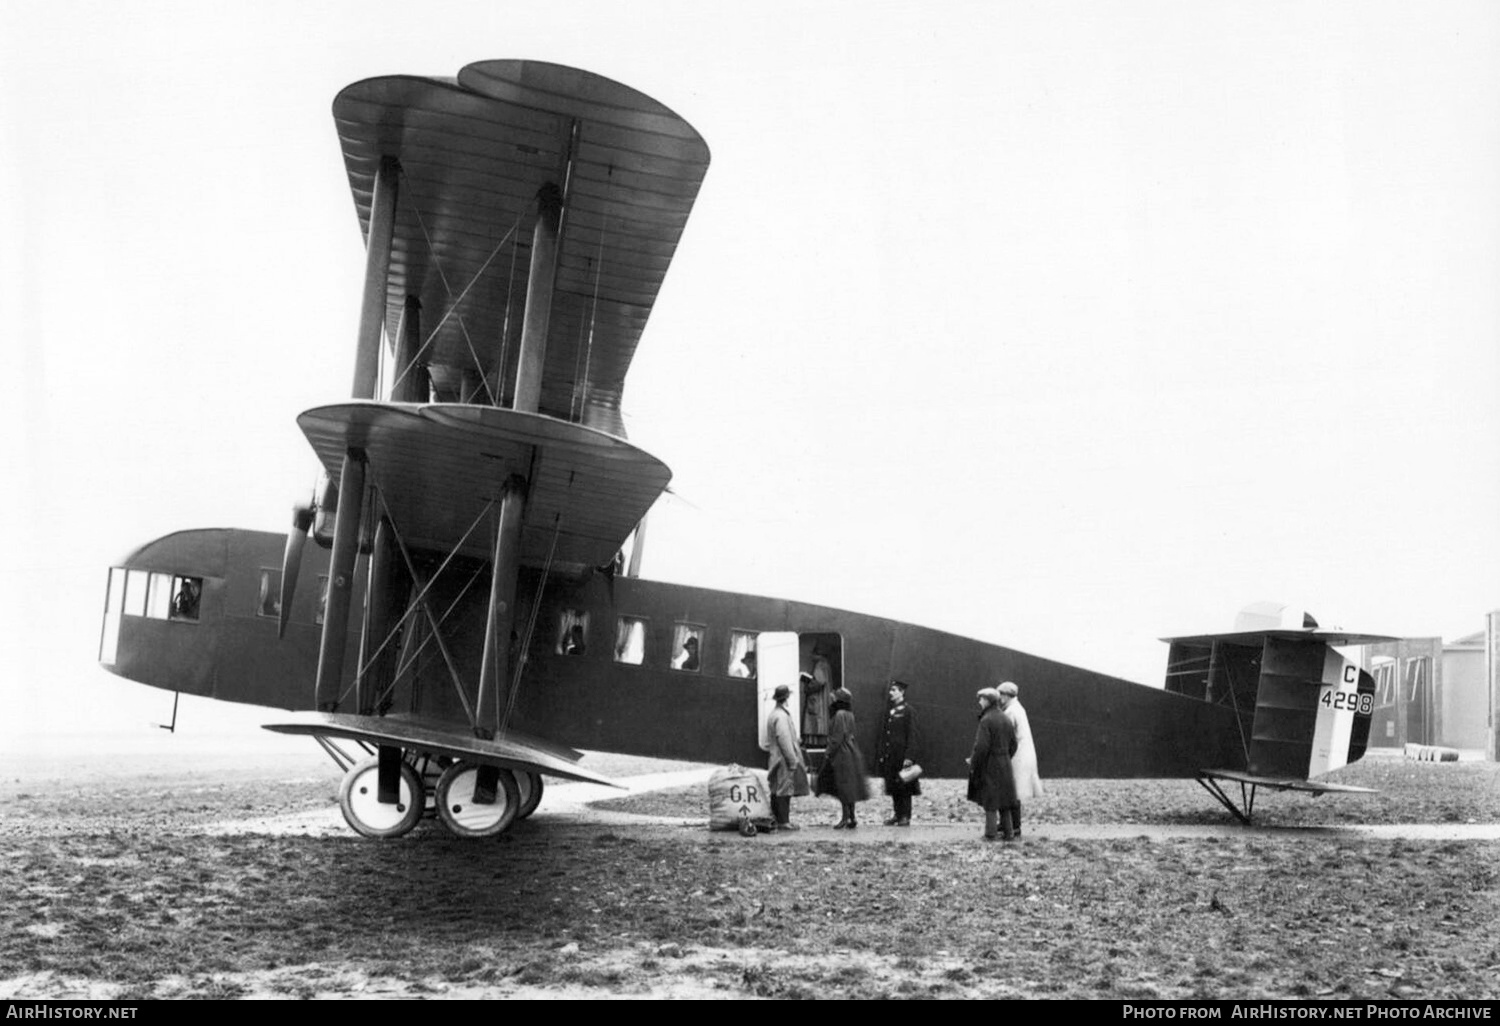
(777, 663)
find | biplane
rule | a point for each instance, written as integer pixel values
(471, 615)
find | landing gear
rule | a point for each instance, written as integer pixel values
(359, 799)
(465, 816)
(531, 793)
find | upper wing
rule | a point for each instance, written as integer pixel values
(473, 153)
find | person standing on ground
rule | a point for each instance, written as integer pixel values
(785, 759)
(899, 749)
(991, 784)
(1023, 763)
(843, 770)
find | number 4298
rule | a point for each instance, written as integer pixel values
(1355, 702)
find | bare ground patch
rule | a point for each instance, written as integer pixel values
(112, 892)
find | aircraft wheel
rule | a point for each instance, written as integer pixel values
(359, 801)
(531, 793)
(468, 818)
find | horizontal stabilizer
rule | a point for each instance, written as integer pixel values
(512, 750)
(1284, 783)
(1257, 637)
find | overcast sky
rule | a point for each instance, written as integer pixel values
(1066, 326)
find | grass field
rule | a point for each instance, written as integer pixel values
(113, 888)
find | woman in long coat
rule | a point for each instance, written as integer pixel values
(1023, 763)
(843, 773)
(785, 759)
(899, 748)
(991, 784)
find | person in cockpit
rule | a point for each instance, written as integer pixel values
(185, 602)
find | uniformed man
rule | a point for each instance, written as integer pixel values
(899, 750)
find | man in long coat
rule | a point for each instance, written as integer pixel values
(990, 781)
(899, 748)
(786, 758)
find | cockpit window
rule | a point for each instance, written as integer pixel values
(159, 596)
(187, 594)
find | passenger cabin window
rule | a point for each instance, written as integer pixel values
(742, 656)
(572, 633)
(687, 641)
(270, 593)
(630, 640)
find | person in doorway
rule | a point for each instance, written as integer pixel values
(843, 772)
(1023, 763)
(899, 750)
(817, 683)
(785, 759)
(991, 784)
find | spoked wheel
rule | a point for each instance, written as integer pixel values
(531, 793)
(359, 798)
(469, 818)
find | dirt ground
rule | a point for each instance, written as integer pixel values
(141, 878)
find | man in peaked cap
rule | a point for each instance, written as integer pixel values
(899, 749)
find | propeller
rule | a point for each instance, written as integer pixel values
(291, 562)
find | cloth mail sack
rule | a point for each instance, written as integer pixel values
(735, 792)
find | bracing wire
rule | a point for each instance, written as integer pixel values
(536, 605)
(458, 301)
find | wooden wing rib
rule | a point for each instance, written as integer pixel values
(473, 154)
(439, 466)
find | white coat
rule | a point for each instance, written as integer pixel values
(1023, 763)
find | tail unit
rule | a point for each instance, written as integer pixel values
(1302, 707)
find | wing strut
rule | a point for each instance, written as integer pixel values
(340, 578)
(377, 274)
(494, 664)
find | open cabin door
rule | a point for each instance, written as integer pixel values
(778, 662)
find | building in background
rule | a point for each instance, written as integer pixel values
(1431, 693)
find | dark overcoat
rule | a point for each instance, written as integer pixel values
(845, 758)
(899, 741)
(991, 783)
